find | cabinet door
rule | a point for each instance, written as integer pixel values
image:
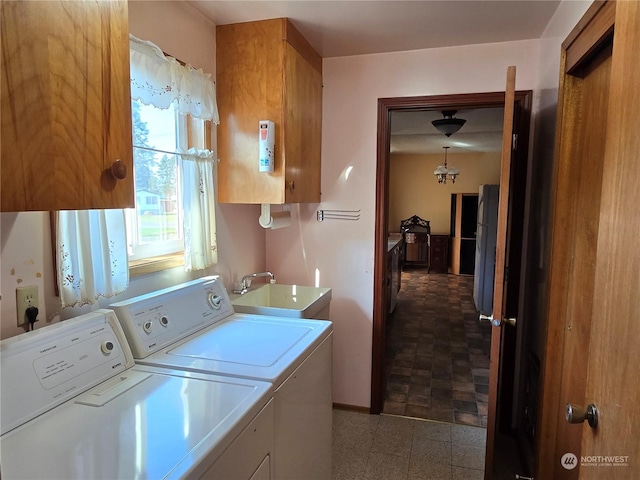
(66, 111)
(264, 73)
(303, 129)
(438, 254)
(249, 63)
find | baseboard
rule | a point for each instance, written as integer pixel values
(351, 408)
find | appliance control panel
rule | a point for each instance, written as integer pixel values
(159, 319)
(43, 368)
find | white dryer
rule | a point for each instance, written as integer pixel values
(75, 406)
(193, 327)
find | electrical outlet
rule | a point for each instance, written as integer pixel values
(25, 297)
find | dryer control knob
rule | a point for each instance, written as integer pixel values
(164, 320)
(215, 300)
(147, 327)
(107, 347)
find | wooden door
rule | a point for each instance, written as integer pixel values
(593, 331)
(614, 356)
(498, 337)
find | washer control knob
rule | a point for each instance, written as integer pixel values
(215, 300)
(164, 321)
(147, 326)
(107, 347)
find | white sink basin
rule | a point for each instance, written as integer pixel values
(297, 301)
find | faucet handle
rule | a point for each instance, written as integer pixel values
(240, 287)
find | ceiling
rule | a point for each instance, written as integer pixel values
(412, 132)
(358, 27)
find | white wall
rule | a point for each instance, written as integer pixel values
(343, 250)
(26, 257)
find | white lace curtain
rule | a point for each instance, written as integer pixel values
(199, 215)
(91, 246)
(91, 255)
(159, 80)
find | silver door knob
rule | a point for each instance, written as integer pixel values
(496, 322)
(489, 318)
(577, 414)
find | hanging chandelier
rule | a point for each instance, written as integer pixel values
(448, 125)
(443, 171)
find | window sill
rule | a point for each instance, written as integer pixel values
(138, 268)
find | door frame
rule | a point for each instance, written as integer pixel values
(435, 102)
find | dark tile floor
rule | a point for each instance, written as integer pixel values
(437, 353)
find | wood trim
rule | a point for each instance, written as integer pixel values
(380, 254)
(385, 107)
(555, 330)
(455, 260)
(350, 408)
(146, 266)
(440, 102)
(589, 34)
(297, 41)
(208, 136)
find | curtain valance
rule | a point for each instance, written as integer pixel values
(160, 80)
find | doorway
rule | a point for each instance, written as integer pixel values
(437, 352)
(517, 187)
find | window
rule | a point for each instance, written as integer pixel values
(174, 214)
(154, 227)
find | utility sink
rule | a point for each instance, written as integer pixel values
(297, 301)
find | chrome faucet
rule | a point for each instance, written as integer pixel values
(245, 283)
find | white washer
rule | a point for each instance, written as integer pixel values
(74, 405)
(193, 327)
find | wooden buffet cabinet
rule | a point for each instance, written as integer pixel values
(266, 70)
(438, 253)
(65, 106)
(415, 232)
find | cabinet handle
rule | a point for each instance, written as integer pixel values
(292, 185)
(119, 169)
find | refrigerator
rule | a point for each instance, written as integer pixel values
(486, 248)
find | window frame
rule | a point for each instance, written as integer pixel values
(196, 134)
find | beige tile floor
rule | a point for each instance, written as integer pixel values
(388, 447)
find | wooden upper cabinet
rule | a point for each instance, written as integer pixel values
(66, 107)
(266, 70)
